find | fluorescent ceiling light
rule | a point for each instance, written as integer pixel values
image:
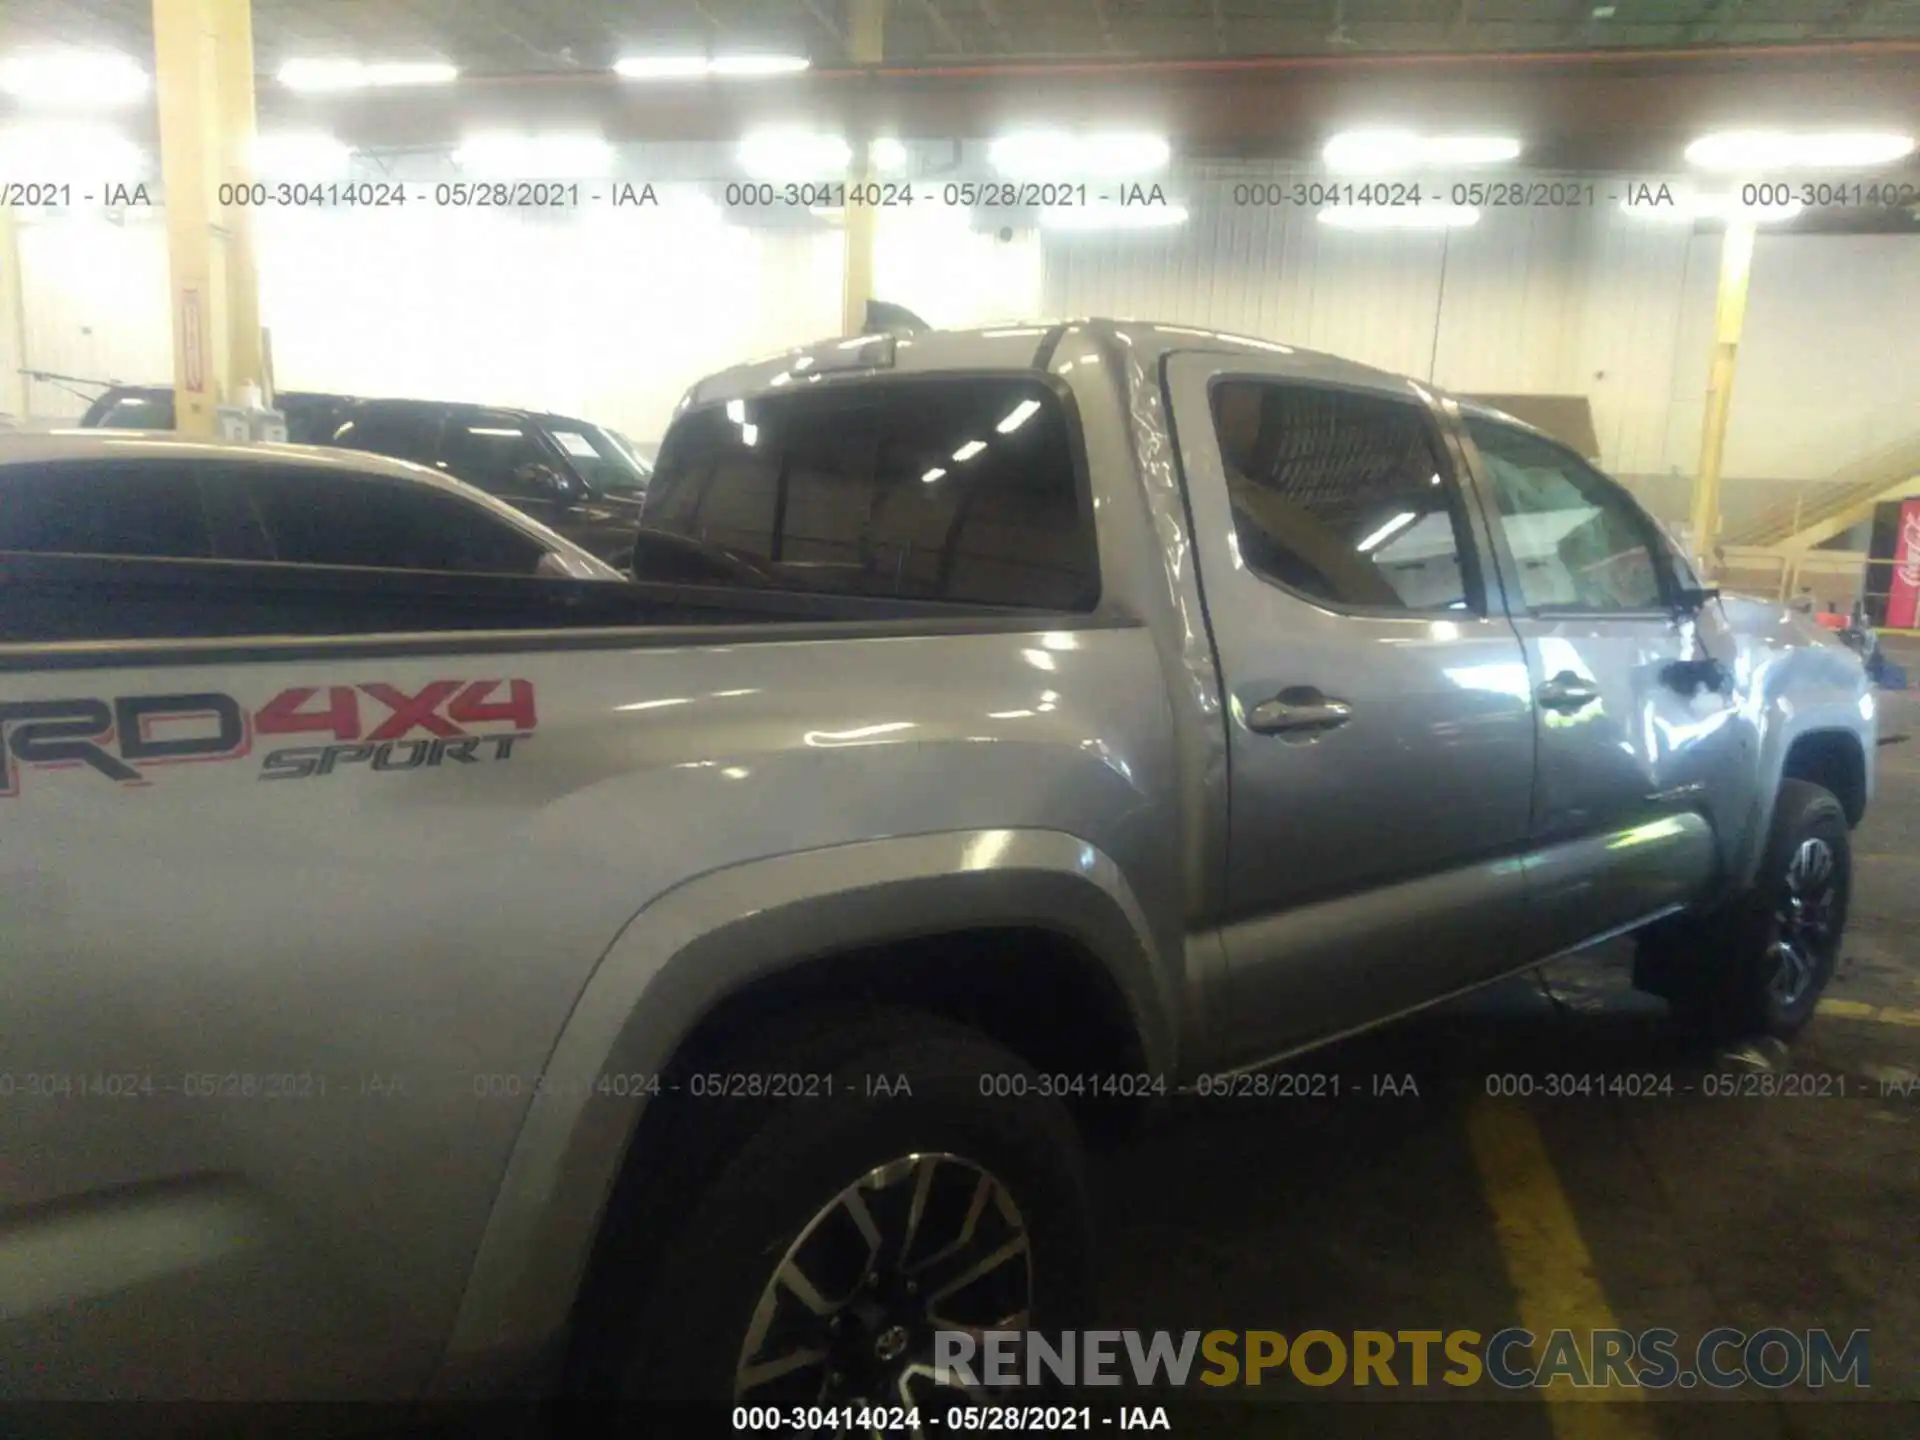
(1114, 217)
(328, 75)
(694, 67)
(535, 157)
(750, 434)
(932, 475)
(737, 411)
(1691, 206)
(887, 155)
(1391, 528)
(70, 150)
(1050, 154)
(1764, 150)
(300, 155)
(689, 208)
(73, 80)
(969, 450)
(1469, 149)
(1018, 416)
(661, 67)
(1373, 151)
(754, 65)
(790, 154)
(1387, 217)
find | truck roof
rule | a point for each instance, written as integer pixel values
(1030, 345)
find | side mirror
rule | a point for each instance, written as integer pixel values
(1692, 599)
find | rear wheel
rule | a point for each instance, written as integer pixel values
(1758, 965)
(908, 1190)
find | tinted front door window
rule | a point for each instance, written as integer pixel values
(488, 448)
(1580, 543)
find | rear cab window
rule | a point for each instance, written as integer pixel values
(962, 489)
(130, 508)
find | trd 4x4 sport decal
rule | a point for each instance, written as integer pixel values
(378, 726)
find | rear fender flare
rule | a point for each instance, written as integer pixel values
(706, 939)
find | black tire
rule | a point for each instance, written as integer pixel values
(774, 1165)
(1725, 974)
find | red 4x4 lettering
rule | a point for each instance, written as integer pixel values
(286, 713)
(440, 708)
(411, 710)
(472, 707)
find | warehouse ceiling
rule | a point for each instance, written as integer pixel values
(549, 36)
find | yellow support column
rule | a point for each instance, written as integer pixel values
(203, 65)
(1730, 309)
(14, 394)
(246, 357)
(866, 27)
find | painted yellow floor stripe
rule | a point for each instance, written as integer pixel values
(1549, 1265)
(1860, 1010)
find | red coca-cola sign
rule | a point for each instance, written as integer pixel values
(1903, 595)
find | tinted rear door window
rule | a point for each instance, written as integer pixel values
(956, 489)
(314, 517)
(148, 508)
(1343, 497)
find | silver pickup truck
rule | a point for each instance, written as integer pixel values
(702, 989)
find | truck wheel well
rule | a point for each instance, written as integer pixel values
(1042, 995)
(1036, 992)
(1833, 760)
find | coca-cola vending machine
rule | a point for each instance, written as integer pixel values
(1893, 576)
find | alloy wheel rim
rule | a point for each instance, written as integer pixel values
(923, 1243)
(1804, 921)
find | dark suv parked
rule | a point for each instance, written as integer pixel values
(311, 418)
(583, 480)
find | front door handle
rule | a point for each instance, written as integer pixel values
(1294, 711)
(1567, 692)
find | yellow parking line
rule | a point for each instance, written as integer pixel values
(1548, 1263)
(1860, 1010)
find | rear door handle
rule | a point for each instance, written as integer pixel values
(1567, 692)
(1292, 712)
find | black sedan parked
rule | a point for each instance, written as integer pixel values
(581, 479)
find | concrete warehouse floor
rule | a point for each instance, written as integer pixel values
(1454, 1210)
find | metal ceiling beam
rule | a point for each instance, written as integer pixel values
(944, 26)
(1844, 19)
(825, 22)
(1623, 111)
(1716, 19)
(992, 12)
(1337, 27)
(1106, 25)
(1578, 22)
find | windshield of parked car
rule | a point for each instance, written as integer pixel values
(132, 411)
(603, 462)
